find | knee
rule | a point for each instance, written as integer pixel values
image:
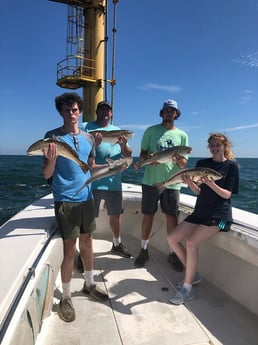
(85, 242)
(171, 238)
(190, 244)
(69, 253)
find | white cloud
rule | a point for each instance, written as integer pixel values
(168, 88)
(141, 127)
(247, 96)
(238, 128)
(135, 126)
(245, 99)
(248, 59)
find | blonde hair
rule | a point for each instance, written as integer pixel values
(228, 153)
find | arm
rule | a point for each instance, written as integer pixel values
(180, 161)
(191, 184)
(222, 192)
(125, 149)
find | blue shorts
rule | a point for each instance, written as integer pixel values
(113, 201)
(222, 224)
(169, 200)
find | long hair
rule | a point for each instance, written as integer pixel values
(228, 153)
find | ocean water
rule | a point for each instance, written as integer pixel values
(22, 183)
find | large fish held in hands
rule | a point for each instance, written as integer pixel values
(114, 167)
(63, 150)
(196, 174)
(164, 156)
(112, 136)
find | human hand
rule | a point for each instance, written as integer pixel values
(98, 138)
(187, 179)
(122, 141)
(208, 181)
(51, 151)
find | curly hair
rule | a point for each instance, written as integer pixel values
(68, 98)
(228, 153)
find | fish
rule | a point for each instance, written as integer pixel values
(164, 156)
(114, 167)
(196, 174)
(63, 150)
(112, 136)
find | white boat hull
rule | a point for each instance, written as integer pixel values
(138, 311)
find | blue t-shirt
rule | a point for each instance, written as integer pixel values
(103, 151)
(68, 177)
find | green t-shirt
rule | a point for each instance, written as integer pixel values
(157, 138)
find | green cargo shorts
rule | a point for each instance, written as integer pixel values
(75, 218)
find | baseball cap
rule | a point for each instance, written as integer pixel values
(104, 103)
(171, 104)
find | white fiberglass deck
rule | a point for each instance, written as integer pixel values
(138, 311)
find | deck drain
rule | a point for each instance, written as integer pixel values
(164, 288)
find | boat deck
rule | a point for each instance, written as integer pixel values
(138, 311)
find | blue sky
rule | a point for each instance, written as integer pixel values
(202, 53)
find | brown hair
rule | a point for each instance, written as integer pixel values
(228, 153)
(68, 98)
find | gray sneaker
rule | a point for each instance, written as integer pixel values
(121, 250)
(94, 291)
(197, 280)
(67, 312)
(182, 295)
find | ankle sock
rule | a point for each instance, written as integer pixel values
(66, 289)
(144, 244)
(89, 277)
(188, 287)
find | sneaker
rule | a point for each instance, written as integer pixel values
(197, 280)
(121, 250)
(175, 262)
(182, 295)
(67, 312)
(141, 258)
(94, 291)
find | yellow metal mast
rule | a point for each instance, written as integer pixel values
(84, 64)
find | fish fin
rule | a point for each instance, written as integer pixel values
(84, 185)
(84, 166)
(136, 165)
(109, 161)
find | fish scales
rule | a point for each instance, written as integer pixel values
(196, 174)
(112, 136)
(164, 156)
(114, 167)
(63, 149)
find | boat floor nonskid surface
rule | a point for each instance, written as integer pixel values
(138, 311)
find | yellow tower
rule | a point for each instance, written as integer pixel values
(86, 51)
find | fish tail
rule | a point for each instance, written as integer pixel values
(79, 190)
(159, 186)
(136, 165)
(85, 167)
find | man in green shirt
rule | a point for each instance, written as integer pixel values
(157, 138)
